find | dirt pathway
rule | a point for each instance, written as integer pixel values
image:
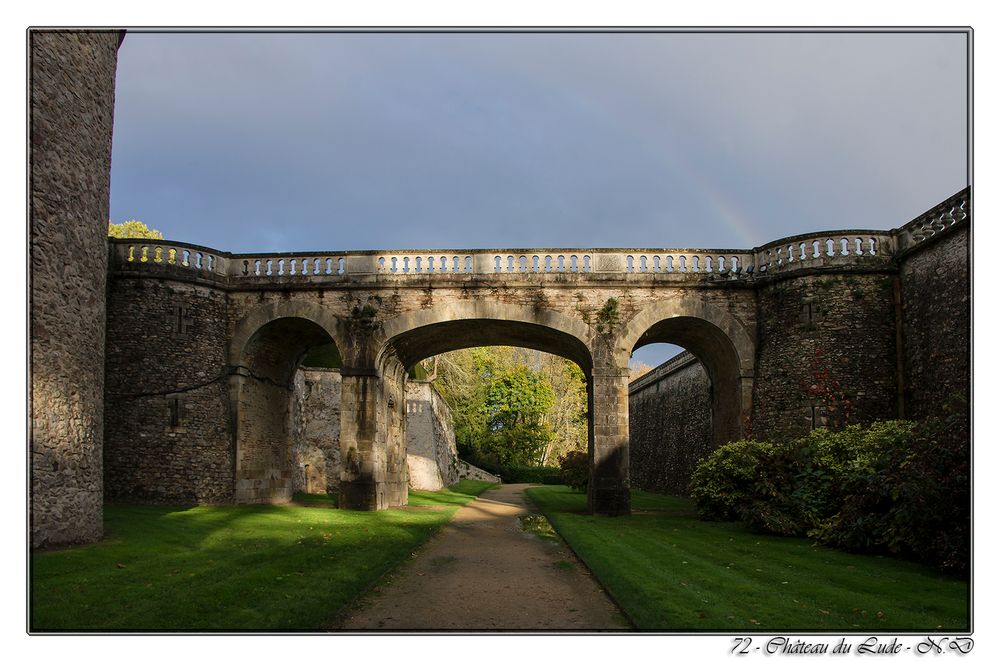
(483, 572)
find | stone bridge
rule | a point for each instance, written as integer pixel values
(202, 345)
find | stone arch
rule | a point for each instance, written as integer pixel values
(253, 321)
(718, 339)
(414, 336)
(264, 354)
(420, 334)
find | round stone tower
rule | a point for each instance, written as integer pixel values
(72, 89)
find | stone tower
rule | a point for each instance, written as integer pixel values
(72, 89)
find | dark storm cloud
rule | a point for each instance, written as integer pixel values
(310, 142)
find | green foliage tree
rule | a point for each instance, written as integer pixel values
(516, 396)
(513, 406)
(459, 382)
(568, 416)
(132, 229)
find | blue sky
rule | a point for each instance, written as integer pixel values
(283, 142)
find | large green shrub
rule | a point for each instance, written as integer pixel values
(915, 500)
(802, 485)
(894, 486)
(724, 482)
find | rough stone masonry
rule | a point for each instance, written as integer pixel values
(72, 102)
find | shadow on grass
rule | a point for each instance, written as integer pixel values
(315, 500)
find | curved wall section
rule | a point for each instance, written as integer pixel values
(936, 301)
(826, 353)
(167, 409)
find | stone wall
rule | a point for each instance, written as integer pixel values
(431, 453)
(167, 406)
(670, 425)
(826, 353)
(468, 471)
(936, 301)
(316, 437)
(71, 104)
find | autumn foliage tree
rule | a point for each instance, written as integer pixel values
(132, 229)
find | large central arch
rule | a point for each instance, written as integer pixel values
(415, 336)
(421, 334)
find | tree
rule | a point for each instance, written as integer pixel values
(132, 229)
(516, 396)
(516, 403)
(568, 415)
(513, 406)
(460, 385)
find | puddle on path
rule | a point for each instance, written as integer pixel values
(442, 563)
(538, 525)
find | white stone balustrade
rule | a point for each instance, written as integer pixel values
(185, 256)
(721, 263)
(815, 250)
(824, 249)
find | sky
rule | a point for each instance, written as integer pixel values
(339, 141)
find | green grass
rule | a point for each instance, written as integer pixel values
(229, 567)
(303, 499)
(670, 571)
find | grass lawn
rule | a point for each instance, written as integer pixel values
(229, 567)
(670, 571)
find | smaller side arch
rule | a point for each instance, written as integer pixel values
(686, 306)
(722, 344)
(257, 318)
(266, 348)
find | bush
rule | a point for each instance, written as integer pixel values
(894, 486)
(723, 484)
(529, 474)
(574, 470)
(803, 484)
(915, 501)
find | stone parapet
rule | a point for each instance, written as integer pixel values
(818, 250)
(833, 249)
(934, 223)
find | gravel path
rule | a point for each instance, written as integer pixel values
(483, 572)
